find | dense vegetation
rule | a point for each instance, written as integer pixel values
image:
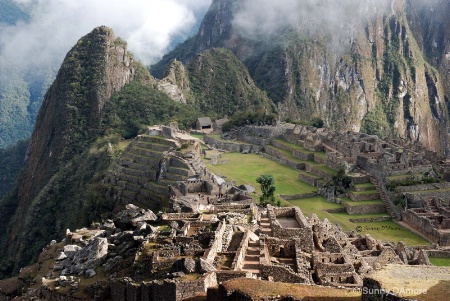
(12, 159)
(139, 105)
(222, 86)
(249, 118)
(21, 90)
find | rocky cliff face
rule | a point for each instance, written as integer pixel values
(68, 122)
(381, 79)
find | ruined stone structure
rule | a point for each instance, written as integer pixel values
(319, 153)
(215, 232)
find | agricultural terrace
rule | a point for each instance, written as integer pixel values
(245, 168)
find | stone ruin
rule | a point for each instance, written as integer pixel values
(399, 171)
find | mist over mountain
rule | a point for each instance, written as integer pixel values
(35, 35)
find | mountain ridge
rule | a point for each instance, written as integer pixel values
(381, 70)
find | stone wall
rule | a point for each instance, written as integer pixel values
(216, 245)
(304, 233)
(370, 219)
(162, 259)
(373, 291)
(365, 209)
(260, 135)
(360, 197)
(238, 261)
(424, 225)
(298, 196)
(182, 216)
(125, 290)
(438, 254)
(191, 288)
(281, 274)
(231, 146)
(280, 158)
(284, 248)
(223, 276)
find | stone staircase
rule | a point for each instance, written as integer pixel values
(364, 199)
(383, 197)
(251, 261)
(137, 176)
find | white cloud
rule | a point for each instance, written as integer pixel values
(149, 27)
(338, 19)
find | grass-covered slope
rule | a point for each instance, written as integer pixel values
(221, 84)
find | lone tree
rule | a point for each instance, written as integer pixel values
(267, 183)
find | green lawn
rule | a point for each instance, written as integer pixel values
(364, 186)
(198, 136)
(385, 231)
(301, 148)
(364, 192)
(124, 143)
(294, 146)
(244, 169)
(326, 169)
(441, 262)
(352, 203)
(288, 155)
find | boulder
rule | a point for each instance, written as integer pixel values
(188, 265)
(90, 273)
(205, 267)
(186, 205)
(144, 229)
(132, 216)
(248, 188)
(174, 225)
(61, 256)
(71, 250)
(92, 255)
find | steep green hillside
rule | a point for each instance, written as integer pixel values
(12, 160)
(221, 84)
(215, 83)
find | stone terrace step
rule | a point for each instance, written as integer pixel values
(156, 188)
(175, 177)
(141, 159)
(156, 139)
(149, 174)
(297, 151)
(153, 146)
(364, 187)
(309, 178)
(285, 158)
(146, 152)
(364, 195)
(133, 179)
(321, 170)
(180, 171)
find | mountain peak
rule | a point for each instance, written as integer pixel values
(69, 119)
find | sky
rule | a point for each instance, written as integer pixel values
(149, 26)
